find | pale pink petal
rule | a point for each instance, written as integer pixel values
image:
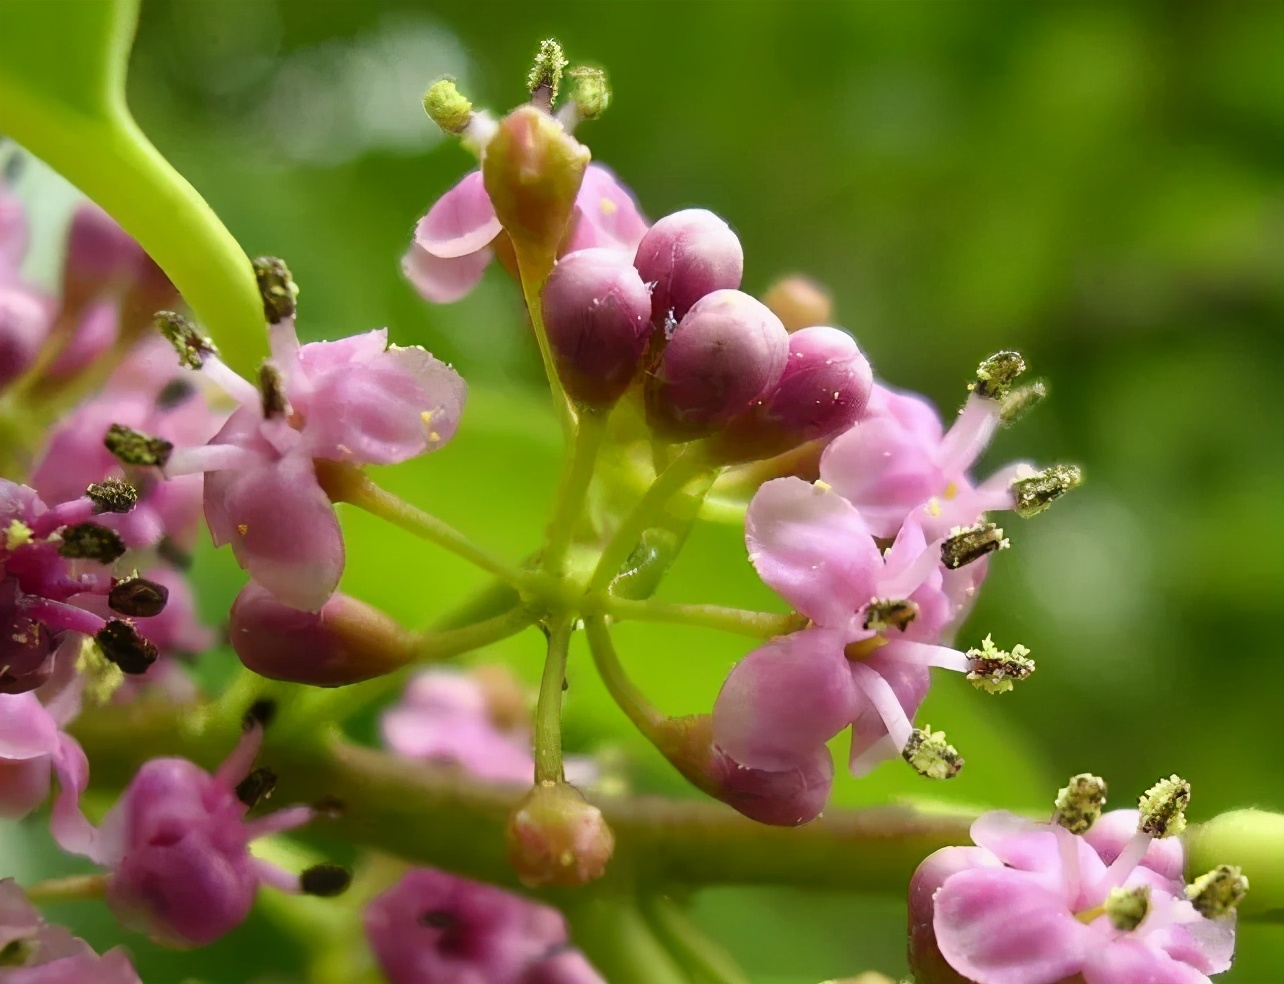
(1113, 830)
(1127, 961)
(882, 469)
(460, 222)
(317, 358)
(871, 745)
(444, 280)
(26, 729)
(606, 214)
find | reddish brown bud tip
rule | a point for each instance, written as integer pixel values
(556, 837)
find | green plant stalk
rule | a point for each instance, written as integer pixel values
(644, 715)
(707, 961)
(532, 287)
(615, 936)
(548, 711)
(568, 505)
(75, 888)
(758, 625)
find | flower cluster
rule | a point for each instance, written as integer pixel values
(34, 952)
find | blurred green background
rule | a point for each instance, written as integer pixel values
(1098, 185)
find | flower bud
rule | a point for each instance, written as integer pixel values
(532, 171)
(24, 323)
(726, 352)
(687, 255)
(101, 256)
(925, 959)
(347, 641)
(555, 837)
(799, 302)
(822, 392)
(597, 313)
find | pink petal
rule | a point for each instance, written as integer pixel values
(606, 214)
(460, 222)
(443, 280)
(1003, 926)
(882, 469)
(870, 742)
(318, 358)
(1115, 829)
(812, 547)
(1128, 961)
(26, 729)
(784, 700)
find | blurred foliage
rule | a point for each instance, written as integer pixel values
(1099, 185)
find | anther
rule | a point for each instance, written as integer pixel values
(1034, 494)
(1078, 804)
(1163, 808)
(994, 376)
(325, 880)
(192, 347)
(261, 712)
(277, 288)
(174, 393)
(930, 755)
(447, 106)
(137, 597)
(1218, 892)
(112, 495)
(438, 919)
(1126, 908)
(256, 787)
(1021, 401)
(882, 614)
(272, 387)
(996, 670)
(591, 93)
(545, 76)
(122, 645)
(89, 541)
(969, 543)
(132, 447)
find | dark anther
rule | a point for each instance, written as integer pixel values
(256, 787)
(971, 543)
(325, 880)
(177, 391)
(192, 347)
(112, 495)
(121, 643)
(438, 919)
(994, 376)
(1036, 493)
(261, 712)
(89, 541)
(138, 597)
(272, 386)
(882, 614)
(566, 684)
(133, 447)
(174, 555)
(277, 288)
(330, 807)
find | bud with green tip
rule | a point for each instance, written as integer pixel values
(556, 837)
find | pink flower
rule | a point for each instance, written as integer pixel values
(1034, 904)
(452, 243)
(32, 742)
(433, 926)
(177, 845)
(38, 953)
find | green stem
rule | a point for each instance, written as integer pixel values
(532, 286)
(112, 161)
(346, 484)
(682, 470)
(548, 712)
(76, 888)
(622, 946)
(708, 962)
(759, 625)
(644, 715)
(578, 474)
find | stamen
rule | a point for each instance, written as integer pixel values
(192, 347)
(545, 76)
(325, 880)
(121, 643)
(272, 386)
(131, 447)
(256, 787)
(1078, 804)
(1021, 401)
(1163, 808)
(138, 597)
(174, 393)
(882, 614)
(996, 670)
(277, 287)
(930, 755)
(260, 713)
(112, 495)
(994, 376)
(1219, 892)
(448, 107)
(970, 543)
(880, 693)
(1126, 908)
(208, 458)
(89, 541)
(591, 94)
(969, 435)
(1035, 493)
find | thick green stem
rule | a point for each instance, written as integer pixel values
(571, 493)
(759, 625)
(548, 712)
(644, 715)
(76, 888)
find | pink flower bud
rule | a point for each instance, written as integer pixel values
(347, 641)
(799, 302)
(687, 255)
(925, 958)
(822, 392)
(597, 313)
(101, 256)
(555, 837)
(24, 324)
(725, 353)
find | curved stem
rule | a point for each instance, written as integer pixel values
(573, 489)
(75, 888)
(644, 715)
(343, 483)
(532, 286)
(548, 712)
(708, 961)
(759, 625)
(616, 937)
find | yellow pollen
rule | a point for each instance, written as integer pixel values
(17, 535)
(951, 491)
(933, 507)
(242, 528)
(608, 207)
(822, 486)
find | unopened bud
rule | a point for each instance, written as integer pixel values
(1034, 494)
(926, 962)
(1126, 908)
(545, 76)
(447, 106)
(882, 614)
(24, 326)
(799, 302)
(112, 495)
(192, 347)
(325, 880)
(1163, 808)
(823, 391)
(101, 256)
(931, 756)
(138, 597)
(555, 837)
(277, 288)
(1078, 804)
(347, 641)
(122, 645)
(131, 447)
(994, 376)
(727, 352)
(89, 541)
(996, 670)
(687, 255)
(532, 171)
(597, 313)
(1219, 892)
(967, 544)
(1021, 401)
